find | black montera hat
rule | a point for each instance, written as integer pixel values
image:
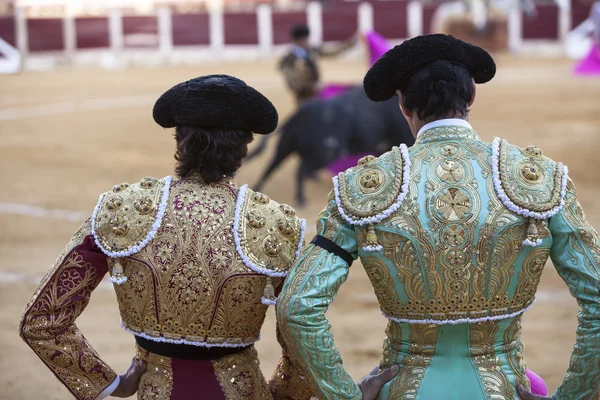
(215, 102)
(401, 62)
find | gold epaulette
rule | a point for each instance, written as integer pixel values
(126, 218)
(528, 183)
(268, 235)
(373, 190)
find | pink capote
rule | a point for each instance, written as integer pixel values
(590, 65)
(377, 45)
(538, 386)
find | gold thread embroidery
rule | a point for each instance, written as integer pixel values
(489, 367)
(526, 178)
(240, 377)
(127, 213)
(361, 188)
(513, 348)
(157, 381)
(48, 324)
(189, 282)
(423, 338)
(309, 264)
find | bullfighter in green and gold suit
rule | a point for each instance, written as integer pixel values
(454, 234)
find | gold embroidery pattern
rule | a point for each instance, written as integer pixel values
(403, 252)
(446, 133)
(443, 277)
(383, 283)
(527, 176)
(579, 267)
(453, 207)
(496, 255)
(189, 282)
(531, 272)
(391, 345)
(423, 338)
(240, 377)
(489, 367)
(513, 348)
(370, 188)
(157, 382)
(126, 214)
(308, 266)
(288, 382)
(269, 232)
(48, 324)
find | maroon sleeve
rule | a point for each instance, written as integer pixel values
(48, 324)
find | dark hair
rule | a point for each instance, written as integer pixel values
(213, 153)
(439, 90)
(299, 31)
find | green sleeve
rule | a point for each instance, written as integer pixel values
(576, 256)
(309, 289)
(288, 381)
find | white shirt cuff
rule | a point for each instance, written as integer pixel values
(109, 389)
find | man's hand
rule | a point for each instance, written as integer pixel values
(371, 384)
(525, 394)
(130, 380)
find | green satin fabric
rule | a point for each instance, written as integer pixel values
(443, 361)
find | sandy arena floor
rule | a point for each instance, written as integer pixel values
(69, 135)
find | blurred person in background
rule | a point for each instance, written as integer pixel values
(300, 65)
(195, 261)
(595, 15)
(590, 65)
(454, 234)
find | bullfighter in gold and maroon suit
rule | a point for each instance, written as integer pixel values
(195, 262)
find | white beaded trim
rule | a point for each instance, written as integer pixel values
(458, 321)
(155, 226)
(531, 243)
(117, 281)
(183, 341)
(268, 302)
(391, 209)
(301, 242)
(508, 202)
(238, 241)
(373, 248)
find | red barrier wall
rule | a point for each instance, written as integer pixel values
(92, 33)
(45, 34)
(340, 22)
(191, 29)
(241, 28)
(7, 30)
(140, 31)
(390, 19)
(544, 26)
(580, 11)
(283, 23)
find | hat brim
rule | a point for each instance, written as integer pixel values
(398, 64)
(216, 102)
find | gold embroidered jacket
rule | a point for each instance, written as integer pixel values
(191, 263)
(453, 234)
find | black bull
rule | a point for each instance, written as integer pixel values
(323, 130)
